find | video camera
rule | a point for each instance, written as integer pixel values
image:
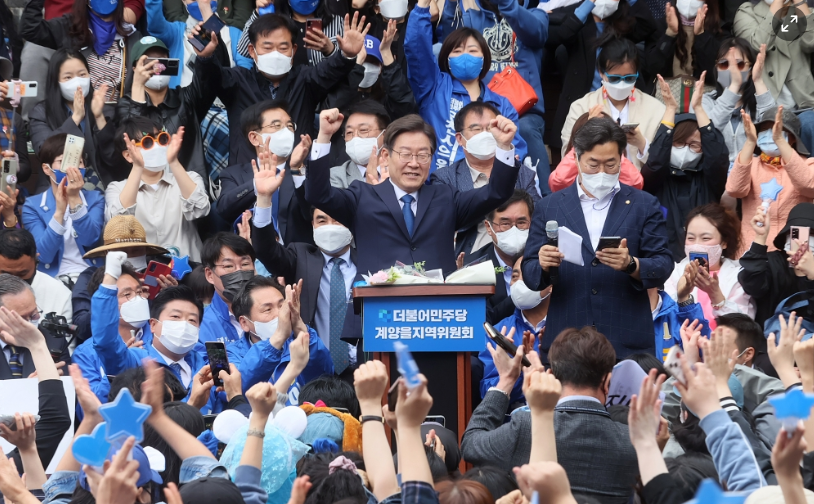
(58, 327)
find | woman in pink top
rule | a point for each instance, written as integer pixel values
(778, 173)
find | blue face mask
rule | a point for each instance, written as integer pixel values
(766, 144)
(195, 11)
(304, 7)
(59, 174)
(104, 7)
(465, 67)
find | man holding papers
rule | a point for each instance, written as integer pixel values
(623, 251)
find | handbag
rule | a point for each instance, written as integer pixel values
(802, 303)
(512, 86)
(682, 87)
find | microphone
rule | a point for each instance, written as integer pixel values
(552, 232)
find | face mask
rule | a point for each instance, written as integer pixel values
(68, 89)
(265, 330)
(195, 11)
(725, 79)
(281, 143)
(138, 263)
(233, 283)
(104, 7)
(465, 67)
(713, 251)
(359, 149)
(372, 71)
(511, 242)
(689, 8)
(766, 144)
(178, 336)
(618, 91)
(304, 7)
(599, 184)
(604, 8)
(482, 146)
(155, 159)
(525, 298)
(59, 174)
(157, 82)
(274, 63)
(135, 312)
(332, 238)
(684, 157)
(393, 9)
(787, 246)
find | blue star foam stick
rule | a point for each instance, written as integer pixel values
(792, 407)
(710, 493)
(768, 193)
(92, 449)
(124, 417)
(180, 267)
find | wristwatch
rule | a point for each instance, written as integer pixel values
(631, 268)
(690, 300)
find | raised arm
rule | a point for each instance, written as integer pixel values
(422, 72)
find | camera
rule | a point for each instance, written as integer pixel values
(58, 326)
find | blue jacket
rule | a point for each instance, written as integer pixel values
(528, 24)
(262, 362)
(116, 357)
(673, 315)
(38, 218)
(733, 457)
(490, 376)
(439, 96)
(215, 326)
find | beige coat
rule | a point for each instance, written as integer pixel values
(786, 62)
(643, 109)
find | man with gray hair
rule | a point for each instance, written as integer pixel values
(624, 248)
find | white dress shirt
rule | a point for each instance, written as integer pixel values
(507, 273)
(7, 353)
(186, 371)
(595, 212)
(538, 327)
(322, 317)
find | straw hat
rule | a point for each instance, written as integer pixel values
(124, 232)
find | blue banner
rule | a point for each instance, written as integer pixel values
(425, 323)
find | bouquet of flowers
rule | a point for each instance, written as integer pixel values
(404, 274)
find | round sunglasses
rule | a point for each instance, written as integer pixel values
(147, 142)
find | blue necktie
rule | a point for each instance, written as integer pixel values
(176, 368)
(339, 307)
(14, 362)
(407, 210)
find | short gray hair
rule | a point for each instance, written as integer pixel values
(12, 285)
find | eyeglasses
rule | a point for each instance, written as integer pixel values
(147, 142)
(278, 125)
(361, 133)
(694, 146)
(627, 79)
(477, 128)
(229, 267)
(127, 295)
(405, 157)
(505, 225)
(724, 65)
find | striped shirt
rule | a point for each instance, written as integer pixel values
(334, 28)
(108, 69)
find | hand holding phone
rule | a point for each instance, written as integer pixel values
(218, 360)
(628, 127)
(151, 274)
(795, 259)
(672, 364)
(200, 40)
(609, 242)
(503, 342)
(701, 257)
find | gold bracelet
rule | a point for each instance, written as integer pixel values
(13, 225)
(256, 433)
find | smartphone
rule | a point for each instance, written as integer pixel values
(503, 342)
(439, 419)
(213, 24)
(218, 360)
(672, 364)
(627, 127)
(701, 257)
(315, 23)
(171, 65)
(11, 422)
(609, 242)
(24, 89)
(800, 233)
(9, 176)
(72, 154)
(209, 421)
(151, 274)
(802, 249)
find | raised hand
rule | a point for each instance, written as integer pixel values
(244, 228)
(97, 104)
(78, 106)
(667, 94)
(61, 197)
(118, 485)
(152, 389)
(698, 25)
(412, 409)
(315, 39)
(508, 367)
(700, 394)
(175, 146)
(644, 415)
(209, 49)
(354, 36)
(370, 380)
(25, 436)
(8, 200)
(15, 330)
(542, 391)
(330, 121)
(698, 94)
(781, 353)
(672, 20)
(787, 454)
(777, 129)
(85, 396)
(748, 127)
(202, 384)
(504, 130)
(388, 37)
(75, 182)
(547, 479)
(760, 61)
(300, 351)
(687, 281)
(262, 397)
(761, 231)
(719, 361)
(736, 79)
(690, 335)
(135, 153)
(300, 152)
(302, 485)
(266, 178)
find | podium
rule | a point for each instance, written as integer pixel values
(441, 324)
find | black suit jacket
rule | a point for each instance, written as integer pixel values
(237, 195)
(499, 305)
(373, 214)
(301, 261)
(28, 363)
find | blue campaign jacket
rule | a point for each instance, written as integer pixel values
(528, 24)
(490, 376)
(215, 326)
(439, 96)
(38, 212)
(262, 362)
(116, 357)
(673, 315)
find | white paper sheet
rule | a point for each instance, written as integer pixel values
(570, 245)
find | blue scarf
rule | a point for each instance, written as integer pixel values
(104, 33)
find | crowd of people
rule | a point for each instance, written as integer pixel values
(638, 172)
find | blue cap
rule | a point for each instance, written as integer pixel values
(372, 47)
(104, 7)
(145, 473)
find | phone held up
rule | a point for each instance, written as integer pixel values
(218, 360)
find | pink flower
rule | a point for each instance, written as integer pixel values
(379, 277)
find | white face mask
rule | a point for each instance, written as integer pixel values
(155, 159)
(599, 184)
(511, 242)
(684, 157)
(274, 63)
(372, 71)
(68, 88)
(393, 9)
(787, 246)
(604, 8)
(618, 91)
(525, 298)
(332, 238)
(178, 336)
(281, 142)
(135, 312)
(689, 8)
(157, 82)
(265, 330)
(359, 149)
(138, 263)
(482, 146)
(714, 252)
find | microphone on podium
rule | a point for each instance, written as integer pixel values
(552, 232)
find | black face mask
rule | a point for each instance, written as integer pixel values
(234, 282)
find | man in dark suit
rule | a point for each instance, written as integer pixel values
(586, 436)
(270, 130)
(403, 219)
(610, 290)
